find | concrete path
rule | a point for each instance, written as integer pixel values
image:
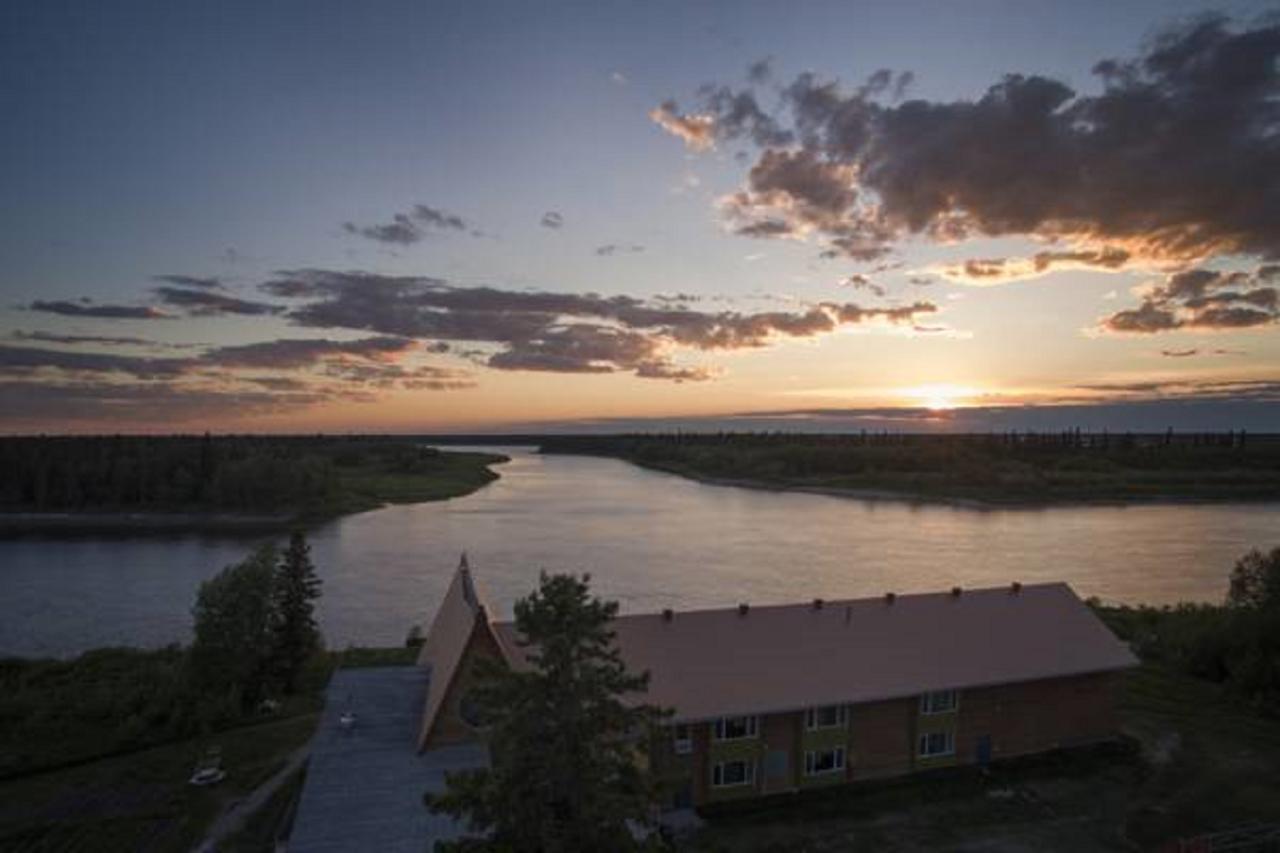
(365, 786)
(234, 817)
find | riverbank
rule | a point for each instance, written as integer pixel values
(359, 486)
(971, 471)
(942, 499)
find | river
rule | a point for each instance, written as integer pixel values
(650, 540)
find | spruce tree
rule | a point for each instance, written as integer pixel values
(566, 751)
(295, 636)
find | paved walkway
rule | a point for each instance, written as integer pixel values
(231, 820)
(364, 787)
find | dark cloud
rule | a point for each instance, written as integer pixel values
(1201, 299)
(1166, 163)
(407, 228)
(203, 303)
(26, 360)
(189, 281)
(376, 361)
(302, 352)
(35, 404)
(100, 340)
(551, 219)
(86, 308)
(860, 282)
(614, 249)
(561, 332)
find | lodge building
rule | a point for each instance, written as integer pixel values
(789, 697)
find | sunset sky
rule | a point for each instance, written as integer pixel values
(525, 216)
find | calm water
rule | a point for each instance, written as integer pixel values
(650, 540)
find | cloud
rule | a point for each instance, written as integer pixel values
(101, 340)
(34, 404)
(610, 249)
(203, 303)
(85, 308)
(559, 332)
(189, 281)
(552, 219)
(1163, 164)
(376, 361)
(860, 282)
(301, 352)
(988, 271)
(1201, 299)
(697, 131)
(407, 228)
(23, 361)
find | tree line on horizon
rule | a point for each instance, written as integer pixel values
(165, 473)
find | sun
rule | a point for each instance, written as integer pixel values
(938, 397)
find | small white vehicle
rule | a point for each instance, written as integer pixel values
(207, 776)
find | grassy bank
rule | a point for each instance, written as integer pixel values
(993, 470)
(93, 780)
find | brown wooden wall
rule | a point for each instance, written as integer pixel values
(1019, 719)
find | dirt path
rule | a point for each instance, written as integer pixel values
(239, 811)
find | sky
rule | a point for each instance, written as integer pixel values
(436, 217)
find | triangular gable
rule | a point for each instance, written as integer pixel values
(461, 627)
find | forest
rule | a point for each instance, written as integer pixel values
(288, 476)
(996, 468)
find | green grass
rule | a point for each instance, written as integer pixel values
(142, 801)
(371, 485)
(85, 788)
(1194, 761)
(259, 833)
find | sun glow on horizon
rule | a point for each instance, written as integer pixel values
(939, 397)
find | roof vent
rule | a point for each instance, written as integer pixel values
(955, 591)
(817, 604)
(743, 608)
(668, 614)
(890, 597)
(848, 613)
(1015, 587)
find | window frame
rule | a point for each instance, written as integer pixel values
(751, 723)
(812, 723)
(682, 745)
(922, 742)
(811, 761)
(748, 777)
(928, 701)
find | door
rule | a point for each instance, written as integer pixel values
(984, 750)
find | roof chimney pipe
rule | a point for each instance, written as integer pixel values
(668, 614)
(955, 591)
(817, 604)
(890, 597)
(1015, 587)
(743, 608)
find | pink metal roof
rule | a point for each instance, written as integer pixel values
(712, 663)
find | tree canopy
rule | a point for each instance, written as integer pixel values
(567, 770)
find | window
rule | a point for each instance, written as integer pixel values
(736, 728)
(824, 761)
(683, 739)
(939, 702)
(730, 774)
(934, 744)
(825, 717)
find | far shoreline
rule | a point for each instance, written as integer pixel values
(16, 524)
(954, 502)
